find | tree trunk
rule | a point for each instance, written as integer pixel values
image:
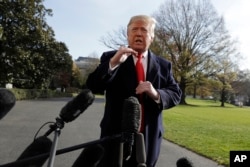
(194, 93)
(183, 88)
(223, 98)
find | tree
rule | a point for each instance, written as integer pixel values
(241, 87)
(225, 77)
(84, 66)
(30, 55)
(77, 78)
(193, 37)
(115, 39)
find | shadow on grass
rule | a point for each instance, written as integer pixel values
(207, 103)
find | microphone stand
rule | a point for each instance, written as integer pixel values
(63, 151)
(140, 150)
(57, 131)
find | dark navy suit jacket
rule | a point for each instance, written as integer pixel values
(121, 83)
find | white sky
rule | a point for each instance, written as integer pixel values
(81, 23)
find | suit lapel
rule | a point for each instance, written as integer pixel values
(152, 67)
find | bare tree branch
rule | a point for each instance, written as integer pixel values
(115, 39)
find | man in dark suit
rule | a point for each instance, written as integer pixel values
(116, 76)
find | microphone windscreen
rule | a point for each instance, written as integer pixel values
(90, 156)
(130, 124)
(77, 105)
(183, 162)
(140, 149)
(39, 146)
(131, 115)
(7, 101)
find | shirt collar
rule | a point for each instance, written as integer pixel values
(144, 54)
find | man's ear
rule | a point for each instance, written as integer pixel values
(152, 39)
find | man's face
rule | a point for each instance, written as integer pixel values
(139, 36)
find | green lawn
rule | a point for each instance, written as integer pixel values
(208, 129)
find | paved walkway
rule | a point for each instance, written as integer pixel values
(19, 126)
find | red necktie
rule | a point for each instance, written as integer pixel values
(140, 77)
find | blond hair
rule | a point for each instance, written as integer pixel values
(147, 19)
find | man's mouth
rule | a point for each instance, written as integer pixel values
(138, 41)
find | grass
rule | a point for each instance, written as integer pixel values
(208, 129)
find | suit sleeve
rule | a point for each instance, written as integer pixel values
(170, 92)
(99, 78)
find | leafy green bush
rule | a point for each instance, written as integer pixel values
(22, 94)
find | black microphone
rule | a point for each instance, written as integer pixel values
(77, 105)
(7, 101)
(184, 162)
(130, 124)
(73, 109)
(39, 146)
(140, 150)
(90, 156)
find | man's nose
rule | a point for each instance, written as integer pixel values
(139, 32)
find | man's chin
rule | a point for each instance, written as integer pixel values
(139, 49)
